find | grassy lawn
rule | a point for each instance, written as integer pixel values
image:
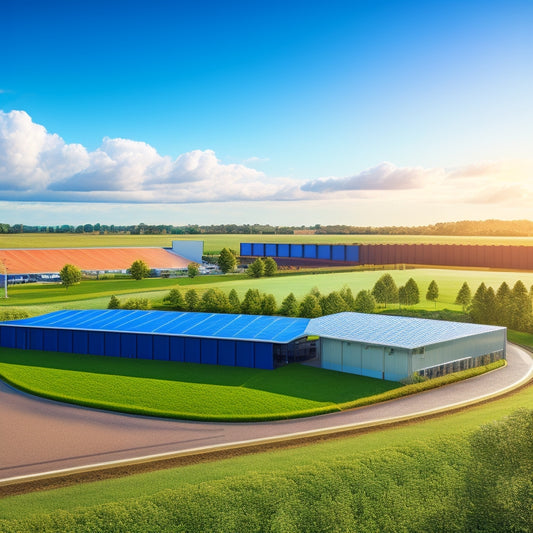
(215, 243)
(185, 390)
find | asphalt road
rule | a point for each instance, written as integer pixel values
(39, 436)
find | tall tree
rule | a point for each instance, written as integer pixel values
(268, 305)
(226, 261)
(309, 307)
(333, 303)
(175, 300)
(490, 306)
(214, 301)
(522, 316)
(192, 299)
(271, 267)
(365, 302)
(402, 296)
(412, 292)
(252, 302)
(193, 269)
(379, 292)
(504, 309)
(256, 269)
(464, 296)
(347, 295)
(432, 293)
(139, 269)
(234, 302)
(70, 274)
(477, 310)
(289, 306)
(114, 303)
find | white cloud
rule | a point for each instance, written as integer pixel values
(37, 165)
(384, 176)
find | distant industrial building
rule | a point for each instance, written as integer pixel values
(44, 264)
(451, 255)
(379, 346)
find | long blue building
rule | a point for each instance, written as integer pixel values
(379, 346)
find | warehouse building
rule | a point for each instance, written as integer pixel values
(220, 339)
(395, 347)
(451, 255)
(24, 265)
(378, 346)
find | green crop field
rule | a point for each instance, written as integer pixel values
(185, 390)
(215, 243)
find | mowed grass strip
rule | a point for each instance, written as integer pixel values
(185, 390)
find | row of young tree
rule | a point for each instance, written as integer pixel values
(509, 307)
(256, 302)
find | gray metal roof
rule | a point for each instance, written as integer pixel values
(274, 329)
(396, 331)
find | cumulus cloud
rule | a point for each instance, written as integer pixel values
(37, 165)
(384, 176)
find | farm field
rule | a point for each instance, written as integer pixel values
(417, 466)
(39, 299)
(215, 243)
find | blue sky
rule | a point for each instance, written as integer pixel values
(364, 113)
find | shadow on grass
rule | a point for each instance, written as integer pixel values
(294, 380)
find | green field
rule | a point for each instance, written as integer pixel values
(215, 243)
(41, 298)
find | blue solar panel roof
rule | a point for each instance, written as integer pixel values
(398, 331)
(274, 329)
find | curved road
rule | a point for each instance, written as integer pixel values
(39, 437)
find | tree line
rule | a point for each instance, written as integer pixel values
(492, 227)
(508, 307)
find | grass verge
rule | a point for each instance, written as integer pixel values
(201, 392)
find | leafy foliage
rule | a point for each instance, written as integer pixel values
(289, 306)
(175, 300)
(139, 269)
(227, 261)
(432, 293)
(310, 307)
(114, 303)
(270, 266)
(256, 269)
(464, 296)
(192, 300)
(252, 303)
(70, 274)
(365, 302)
(142, 304)
(193, 269)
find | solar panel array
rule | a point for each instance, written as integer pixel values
(274, 329)
(398, 331)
